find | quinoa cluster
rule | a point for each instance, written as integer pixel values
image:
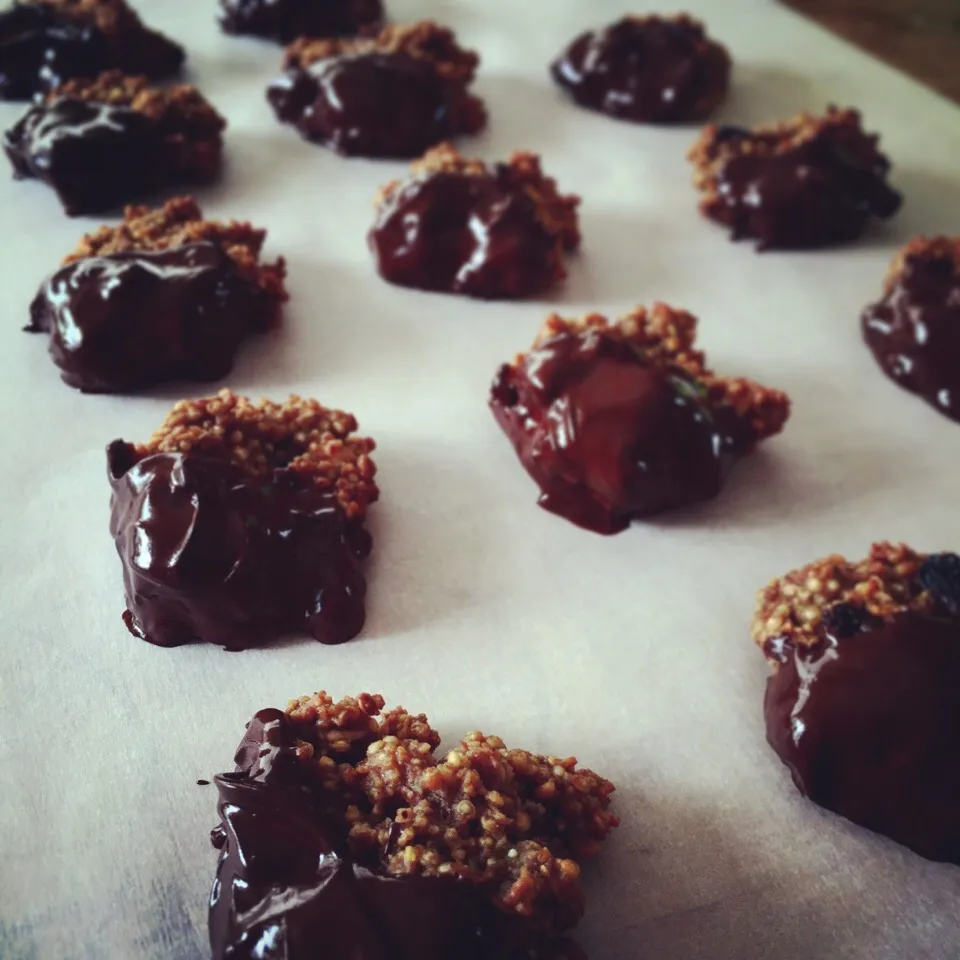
(666, 337)
(179, 222)
(791, 608)
(942, 249)
(298, 434)
(513, 822)
(190, 126)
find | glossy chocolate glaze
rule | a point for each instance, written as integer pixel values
(476, 235)
(815, 195)
(869, 725)
(210, 553)
(285, 20)
(651, 71)
(129, 320)
(39, 49)
(286, 889)
(608, 436)
(914, 332)
(95, 156)
(369, 105)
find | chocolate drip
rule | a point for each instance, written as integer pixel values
(477, 235)
(914, 332)
(645, 70)
(609, 436)
(210, 553)
(95, 155)
(130, 320)
(868, 725)
(371, 105)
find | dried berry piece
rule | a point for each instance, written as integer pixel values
(845, 619)
(940, 574)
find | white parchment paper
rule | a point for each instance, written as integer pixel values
(631, 652)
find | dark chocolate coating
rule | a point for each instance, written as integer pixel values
(95, 156)
(369, 105)
(130, 320)
(476, 235)
(914, 332)
(869, 726)
(608, 436)
(286, 889)
(647, 71)
(39, 49)
(815, 195)
(210, 553)
(285, 20)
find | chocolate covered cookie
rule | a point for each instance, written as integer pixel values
(166, 295)
(618, 421)
(391, 95)
(914, 329)
(806, 182)
(105, 142)
(343, 835)
(44, 43)
(649, 69)
(284, 20)
(238, 522)
(494, 231)
(863, 702)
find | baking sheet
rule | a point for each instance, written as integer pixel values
(631, 652)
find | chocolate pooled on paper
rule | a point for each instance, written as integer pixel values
(863, 702)
(343, 835)
(617, 421)
(238, 522)
(285, 20)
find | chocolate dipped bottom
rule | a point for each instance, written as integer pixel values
(495, 231)
(620, 421)
(130, 320)
(914, 330)
(646, 69)
(863, 702)
(868, 726)
(284, 20)
(286, 889)
(232, 530)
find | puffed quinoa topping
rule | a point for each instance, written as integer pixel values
(666, 336)
(298, 434)
(790, 608)
(508, 820)
(946, 249)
